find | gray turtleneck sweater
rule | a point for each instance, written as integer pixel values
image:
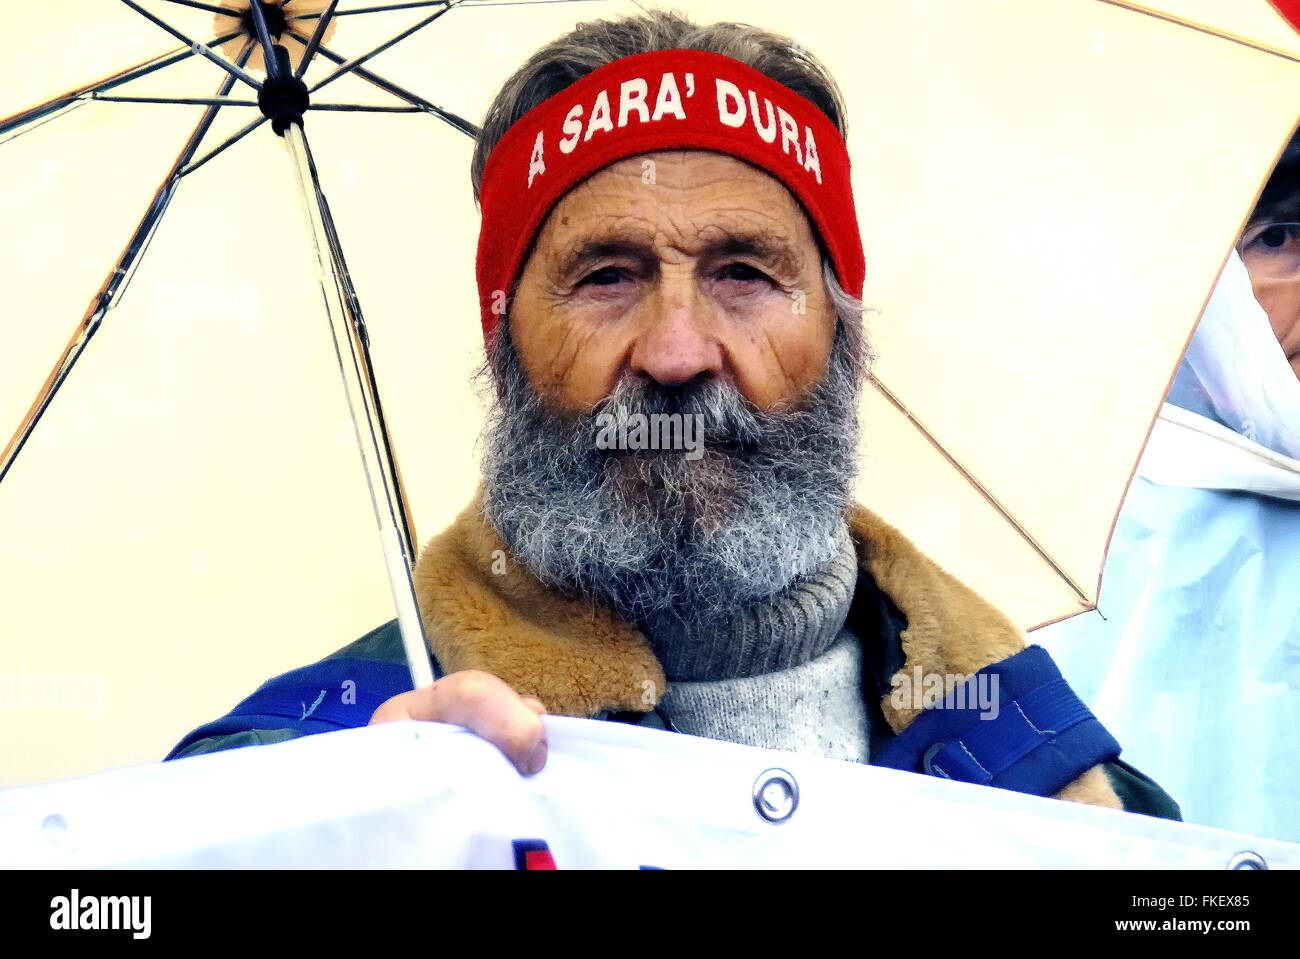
(784, 673)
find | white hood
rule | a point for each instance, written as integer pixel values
(1232, 417)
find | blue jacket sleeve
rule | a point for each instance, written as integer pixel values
(341, 691)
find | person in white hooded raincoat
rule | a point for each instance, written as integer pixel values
(1193, 655)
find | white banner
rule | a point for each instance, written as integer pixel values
(611, 796)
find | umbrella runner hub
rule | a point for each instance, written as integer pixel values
(283, 98)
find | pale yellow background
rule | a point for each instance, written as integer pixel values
(1046, 188)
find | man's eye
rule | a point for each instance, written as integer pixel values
(742, 272)
(605, 276)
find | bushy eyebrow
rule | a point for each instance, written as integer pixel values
(578, 259)
(768, 248)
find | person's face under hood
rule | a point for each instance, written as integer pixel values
(1280, 299)
(1270, 248)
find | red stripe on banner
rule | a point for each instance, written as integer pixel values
(533, 854)
(541, 859)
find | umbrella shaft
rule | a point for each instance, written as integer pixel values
(383, 496)
(263, 36)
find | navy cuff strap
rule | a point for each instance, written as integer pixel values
(1027, 732)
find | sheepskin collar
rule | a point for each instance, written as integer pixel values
(482, 610)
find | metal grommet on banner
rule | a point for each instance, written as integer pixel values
(1247, 860)
(54, 828)
(776, 795)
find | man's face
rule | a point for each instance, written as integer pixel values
(671, 267)
(696, 300)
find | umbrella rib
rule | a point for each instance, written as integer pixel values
(205, 123)
(381, 9)
(236, 102)
(353, 64)
(343, 277)
(427, 3)
(222, 147)
(197, 47)
(519, 3)
(130, 73)
(316, 37)
(365, 108)
(190, 101)
(230, 141)
(224, 11)
(980, 488)
(77, 105)
(1200, 28)
(460, 123)
(113, 283)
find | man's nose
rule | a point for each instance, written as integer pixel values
(678, 341)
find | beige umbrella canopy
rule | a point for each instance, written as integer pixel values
(1080, 195)
(1046, 190)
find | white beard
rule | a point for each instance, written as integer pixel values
(651, 532)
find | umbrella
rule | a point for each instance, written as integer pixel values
(1047, 192)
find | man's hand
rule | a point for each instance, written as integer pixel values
(484, 705)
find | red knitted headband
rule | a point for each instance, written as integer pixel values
(668, 99)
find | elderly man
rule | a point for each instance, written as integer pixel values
(670, 271)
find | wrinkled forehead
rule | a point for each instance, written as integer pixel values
(686, 202)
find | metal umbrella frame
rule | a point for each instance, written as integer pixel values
(282, 98)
